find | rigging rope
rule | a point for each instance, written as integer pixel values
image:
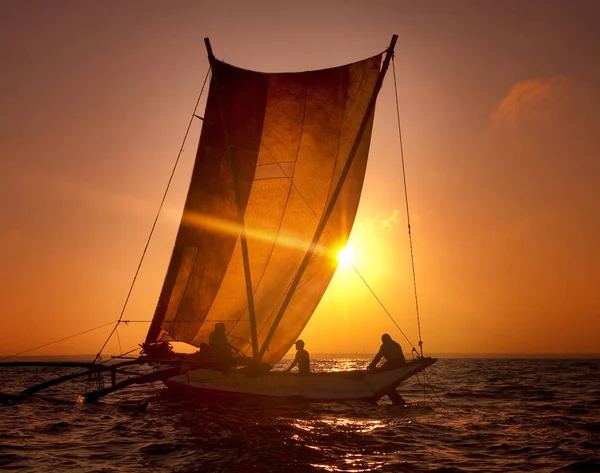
(128, 352)
(382, 306)
(428, 381)
(157, 215)
(118, 339)
(56, 341)
(412, 256)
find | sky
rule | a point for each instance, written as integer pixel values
(500, 120)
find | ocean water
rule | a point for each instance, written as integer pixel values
(464, 415)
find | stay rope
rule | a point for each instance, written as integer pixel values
(56, 341)
(412, 256)
(157, 215)
(382, 306)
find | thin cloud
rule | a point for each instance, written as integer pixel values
(388, 222)
(534, 100)
(62, 186)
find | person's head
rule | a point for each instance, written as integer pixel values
(385, 338)
(299, 345)
(219, 327)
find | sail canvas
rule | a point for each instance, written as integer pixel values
(280, 140)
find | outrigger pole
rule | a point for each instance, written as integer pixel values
(174, 367)
(238, 199)
(324, 219)
(90, 368)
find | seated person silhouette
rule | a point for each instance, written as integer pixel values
(391, 351)
(219, 345)
(302, 359)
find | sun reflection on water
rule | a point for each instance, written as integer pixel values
(342, 365)
(329, 436)
(352, 465)
(338, 424)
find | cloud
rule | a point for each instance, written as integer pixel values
(534, 100)
(389, 221)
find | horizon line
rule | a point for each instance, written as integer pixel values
(363, 354)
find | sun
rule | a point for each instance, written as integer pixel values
(346, 257)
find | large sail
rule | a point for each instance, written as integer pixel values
(290, 135)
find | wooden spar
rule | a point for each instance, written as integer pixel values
(9, 398)
(143, 379)
(326, 214)
(90, 366)
(238, 199)
(52, 382)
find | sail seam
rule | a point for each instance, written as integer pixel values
(359, 275)
(187, 282)
(274, 161)
(275, 307)
(287, 198)
(319, 231)
(291, 280)
(241, 211)
(347, 101)
(223, 156)
(273, 178)
(337, 154)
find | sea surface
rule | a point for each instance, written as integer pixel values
(464, 415)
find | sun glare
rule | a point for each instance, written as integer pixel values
(346, 257)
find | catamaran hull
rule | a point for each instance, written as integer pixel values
(342, 385)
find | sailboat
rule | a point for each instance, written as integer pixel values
(273, 195)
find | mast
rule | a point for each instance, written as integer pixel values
(238, 199)
(323, 222)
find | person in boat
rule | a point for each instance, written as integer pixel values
(391, 351)
(302, 359)
(219, 345)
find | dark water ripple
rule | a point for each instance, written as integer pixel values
(475, 415)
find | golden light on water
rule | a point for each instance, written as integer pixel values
(312, 433)
(346, 257)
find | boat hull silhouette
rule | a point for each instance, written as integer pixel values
(369, 385)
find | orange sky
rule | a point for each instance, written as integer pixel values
(501, 126)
